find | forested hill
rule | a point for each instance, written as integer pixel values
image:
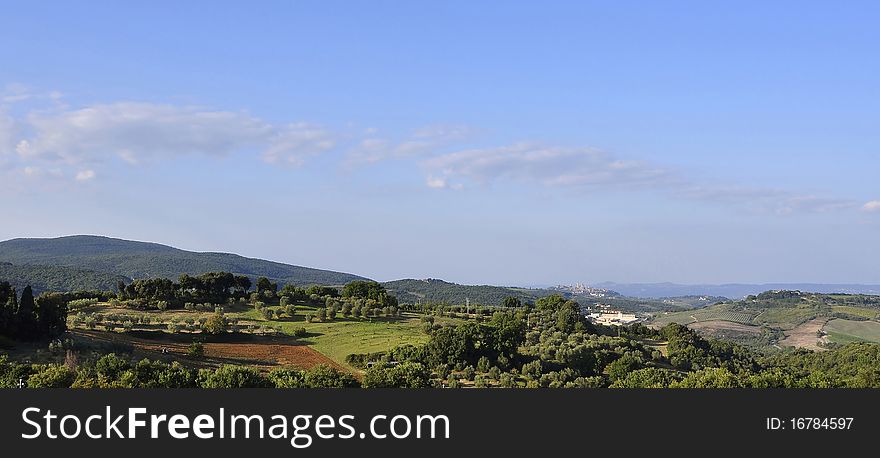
(147, 260)
(57, 278)
(439, 291)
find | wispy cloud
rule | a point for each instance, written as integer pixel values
(294, 143)
(550, 166)
(589, 170)
(435, 183)
(421, 141)
(85, 175)
(137, 133)
(872, 206)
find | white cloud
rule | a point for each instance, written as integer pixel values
(139, 132)
(85, 175)
(589, 169)
(872, 206)
(435, 183)
(550, 166)
(85, 139)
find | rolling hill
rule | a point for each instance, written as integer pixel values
(787, 318)
(116, 257)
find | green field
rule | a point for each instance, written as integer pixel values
(870, 314)
(344, 336)
(786, 317)
(846, 331)
(722, 312)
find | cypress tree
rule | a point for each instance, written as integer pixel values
(26, 320)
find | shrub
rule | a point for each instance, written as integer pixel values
(231, 377)
(469, 372)
(196, 349)
(216, 324)
(323, 376)
(52, 376)
(483, 364)
(284, 377)
(405, 375)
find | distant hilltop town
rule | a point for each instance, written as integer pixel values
(580, 289)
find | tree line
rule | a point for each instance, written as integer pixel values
(113, 371)
(27, 318)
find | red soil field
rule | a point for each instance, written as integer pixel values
(264, 352)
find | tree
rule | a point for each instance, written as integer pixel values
(242, 284)
(52, 377)
(196, 349)
(229, 376)
(264, 284)
(568, 315)
(511, 302)
(51, 310)
(364, 289)
(216, 324)
(323, 376)
(404, 375)
(284, 377)
(8, 307)
(25, 317)
(622, 366)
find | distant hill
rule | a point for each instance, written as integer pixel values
(135, 260)
(732, 290)
(432, 290)
(57, 278)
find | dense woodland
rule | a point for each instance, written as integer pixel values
(57, 278)
(137, 260)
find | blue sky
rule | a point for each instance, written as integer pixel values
(480, 142)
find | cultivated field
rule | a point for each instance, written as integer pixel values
(846, 331)
(714, 313)
(726, 329)
(805, 335)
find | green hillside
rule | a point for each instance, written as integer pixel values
(148, 260)
(57, 278)
(410, 291)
